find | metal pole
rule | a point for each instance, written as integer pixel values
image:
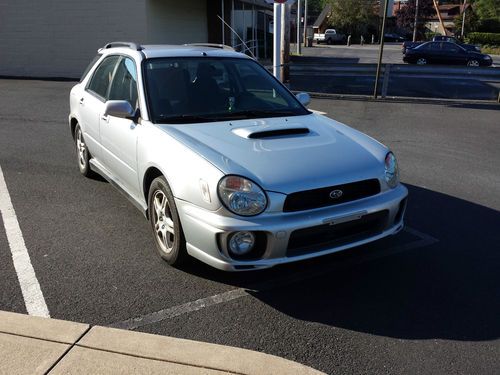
(381, 51)
(415, 23)
(463, 20)
(305, 23)
(298, 27)
(223, 36)
(277, 41)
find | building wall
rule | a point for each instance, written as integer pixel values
(58, 38)
(177, 22)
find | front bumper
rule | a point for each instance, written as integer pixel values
(204, 229)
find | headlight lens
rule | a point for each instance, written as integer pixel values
(242, 196)
(391, 170)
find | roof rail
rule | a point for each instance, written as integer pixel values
(135, 46)
(210, 45)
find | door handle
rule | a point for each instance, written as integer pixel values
(105, 118)
(81, 100)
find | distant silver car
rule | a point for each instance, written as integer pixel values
(229, 166)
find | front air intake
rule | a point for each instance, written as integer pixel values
(278, 133)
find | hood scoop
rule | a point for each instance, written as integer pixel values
(257, 132)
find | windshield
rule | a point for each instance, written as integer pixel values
(203, 89)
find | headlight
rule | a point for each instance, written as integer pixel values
(242, 196)
(391, 170)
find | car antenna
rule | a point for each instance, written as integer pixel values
(235, 33)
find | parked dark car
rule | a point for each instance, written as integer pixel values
(442, 38)
(391, 37)
(445, 53)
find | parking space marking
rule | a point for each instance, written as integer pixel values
(158, 316)
(30, 288)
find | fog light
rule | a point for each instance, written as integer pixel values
(241, 243)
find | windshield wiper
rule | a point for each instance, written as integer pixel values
(253, 113)
(186, 119)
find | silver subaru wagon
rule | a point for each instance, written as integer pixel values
(228, 165)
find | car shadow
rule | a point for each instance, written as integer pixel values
(448, 289)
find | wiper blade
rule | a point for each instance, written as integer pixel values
(263, 112)
(185, 119)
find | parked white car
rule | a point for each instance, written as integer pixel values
(229, 166)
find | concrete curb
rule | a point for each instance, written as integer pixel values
(34, 345)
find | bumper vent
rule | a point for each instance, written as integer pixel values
(322, 237)
(309, 199)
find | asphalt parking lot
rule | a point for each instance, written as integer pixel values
(425, 301)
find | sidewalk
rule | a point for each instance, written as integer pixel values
(33, 345)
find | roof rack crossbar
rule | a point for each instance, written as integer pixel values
(132, 45)
(210, 45)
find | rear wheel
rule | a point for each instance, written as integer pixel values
(165, 223)
(421, 61)
(82, 153)
(473, 63)
(329, 41)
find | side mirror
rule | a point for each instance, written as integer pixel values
(119, 108)
(304, 98)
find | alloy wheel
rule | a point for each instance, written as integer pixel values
(472, 63)
(81, 149)
(163, 223)
(421, 61)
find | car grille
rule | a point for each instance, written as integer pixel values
(322, 237)
(309, 199)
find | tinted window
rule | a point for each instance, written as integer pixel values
(450, 47)
(101, 79)
(91, 64)
(124, 86)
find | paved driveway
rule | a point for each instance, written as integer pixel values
(425, 301)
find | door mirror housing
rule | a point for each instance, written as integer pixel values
(304, 98)
(119, 108)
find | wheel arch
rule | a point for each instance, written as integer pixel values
(72, 123)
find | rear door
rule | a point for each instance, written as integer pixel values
(119, 135)
(91, 104)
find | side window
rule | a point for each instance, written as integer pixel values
(124, 86)
(101, 79)
(90, 66)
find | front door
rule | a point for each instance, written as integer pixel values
(119, 135)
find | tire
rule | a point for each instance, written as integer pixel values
(421, 61)
(82, 153)
(329, 41)
(473, 63)
(165, 223)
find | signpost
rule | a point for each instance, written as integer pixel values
(279, 9)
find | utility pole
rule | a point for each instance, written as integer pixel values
(463, 19)
(298, 27)
(415, 23)
(285, 41)
(381, 51)
(305, 23)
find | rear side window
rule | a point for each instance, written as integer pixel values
(100, 81)
(91, 64)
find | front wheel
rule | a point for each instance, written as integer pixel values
(421, 61)
(472, 63)
(165, 223)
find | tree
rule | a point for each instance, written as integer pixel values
(471, 22)
(354, 17)
(487, 9)
(405, 17)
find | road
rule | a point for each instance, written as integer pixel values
(367, 54)
(426, 301)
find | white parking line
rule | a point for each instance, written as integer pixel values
(158, 316)
(30, 288)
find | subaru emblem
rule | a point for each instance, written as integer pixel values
(336, 194)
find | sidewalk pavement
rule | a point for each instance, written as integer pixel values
(33, 345)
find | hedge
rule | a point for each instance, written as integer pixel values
(492, 39)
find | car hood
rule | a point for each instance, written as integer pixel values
(285, 154)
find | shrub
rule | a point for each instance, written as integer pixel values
(492, 39)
